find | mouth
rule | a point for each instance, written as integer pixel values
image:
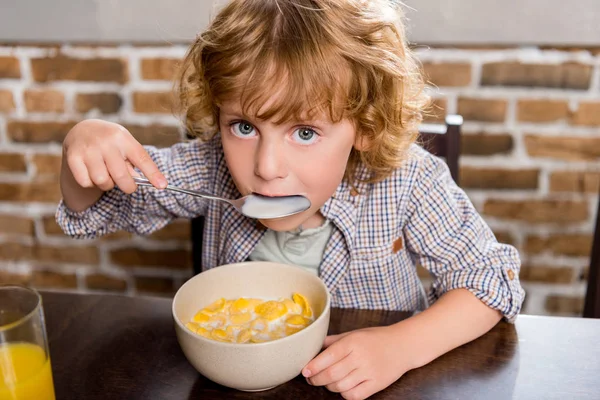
(272, 195)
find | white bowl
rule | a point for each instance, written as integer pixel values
(251, 366)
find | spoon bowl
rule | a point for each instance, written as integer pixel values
(253, 205)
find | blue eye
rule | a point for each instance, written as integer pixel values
(305, 135)
(243, 129)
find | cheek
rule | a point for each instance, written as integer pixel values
(324, 172)
(238, 158)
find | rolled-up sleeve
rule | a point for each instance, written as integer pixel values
(187, 165)
(450, 239)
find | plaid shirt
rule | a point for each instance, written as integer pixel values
(382, 231)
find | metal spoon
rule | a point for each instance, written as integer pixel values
(252, 205)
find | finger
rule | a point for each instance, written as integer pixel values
(132, 171)
(119, 172)
(325, 359)
(139, 157)
(361, 391)
(334, 373)
(98, 171)
(331, 339)
(80, 172)
(349, 382)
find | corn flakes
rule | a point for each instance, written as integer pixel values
(252, 320)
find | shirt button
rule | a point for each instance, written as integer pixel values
(353, 192)
(398, 245)
(511, 274)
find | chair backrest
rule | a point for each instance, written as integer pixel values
(591, 308)
(443, 140)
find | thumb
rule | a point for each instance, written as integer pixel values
(331, 339)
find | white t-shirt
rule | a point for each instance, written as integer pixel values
(303, 248)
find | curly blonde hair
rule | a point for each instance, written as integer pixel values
(347, 58)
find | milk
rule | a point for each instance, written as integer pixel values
(262, 207)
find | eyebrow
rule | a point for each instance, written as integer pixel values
(238, 113)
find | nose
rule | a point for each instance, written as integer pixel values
(270, 160)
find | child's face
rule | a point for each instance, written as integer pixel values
(298, 157)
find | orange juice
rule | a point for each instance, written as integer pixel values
(25, 373)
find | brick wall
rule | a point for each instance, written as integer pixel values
(531, 160)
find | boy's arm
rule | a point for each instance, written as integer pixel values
(147, 209)
(475, 284)
(360, 363)
(458, 317)
(451, 240)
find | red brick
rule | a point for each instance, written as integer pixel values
(44, 101)
(30, 191)
(153, 102)
(448, 74)
(116, 236)
(530, 273)
(538, 211)
(12, 162)
(106, 103)
(498, 178)
(574, 245)
(505, 238)
(10, 68)
(565, 148)
(542, 110)
(159, 68)
(15, 252)
(16, 225)
(155, 135)
(482, 144)
(38, 132)
(559, 304)
(78, 255)
(575, 181)
(587, 114)
(7, 278)
(49, 279)
(62, 68)
(486, 110)
(105, 282)
(154, 285)
(133, 257)
(180, 230)
(7, 103)
(50, 226)
(565, 76)
(47, 165)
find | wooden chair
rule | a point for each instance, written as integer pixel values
(592, 297)
(444, 141)
(441, 140)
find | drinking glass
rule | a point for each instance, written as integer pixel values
(25, 372)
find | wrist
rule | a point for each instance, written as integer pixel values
(76, 197)
(413, 336)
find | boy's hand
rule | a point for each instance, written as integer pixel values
(102, 154)
(360, 363)
(99, 155)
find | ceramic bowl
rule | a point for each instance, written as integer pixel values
(251, 366)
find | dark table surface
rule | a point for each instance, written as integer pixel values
(115, 347)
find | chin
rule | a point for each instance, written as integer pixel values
(285, 223)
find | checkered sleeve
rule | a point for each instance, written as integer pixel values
(187, 165)
(451, 240)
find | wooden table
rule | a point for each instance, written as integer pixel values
(115, 347)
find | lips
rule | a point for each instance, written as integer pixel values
(270, 194)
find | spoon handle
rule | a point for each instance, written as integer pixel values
(146, 182)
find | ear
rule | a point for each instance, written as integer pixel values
(362, 143)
